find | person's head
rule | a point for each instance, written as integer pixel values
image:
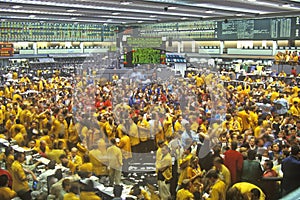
(251, 154)
(275, 147)
(218, 162)
(118, 190)
(179, 118)
(212, 175)
(235, 194)
(295, 150)
(9, 150)
(74, 151)
(113, 141)
(86, 158)
(252, 141)
(74, 188)
(186, 183)
(268, 165)
(160, 143)
(63, 159)
(165, 149)
(3, 180)
(188, 150)
(20, 156)
(234, 145)
(31, 144)
(66, 185)
(255, 194)
(51, 164)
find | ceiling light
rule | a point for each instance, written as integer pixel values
(71, 10)
(42, 21)
(251, 0)
(115, 13)
(73, 18)
(105, 24)
(109, 20)
(286, 5)
(209, 11)
(152, 16)
(123, 22)
(239, 14)
(17, 6)
(183, 18)
(3, 20)
(140, 22)
(32, 16)
(172, 7)
(125, 2)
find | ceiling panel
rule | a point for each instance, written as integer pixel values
(122, 12)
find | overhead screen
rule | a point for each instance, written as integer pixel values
(246, 29)
(259, 29)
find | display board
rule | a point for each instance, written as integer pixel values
(144, 56)
(204, 30)
(37, 31)
(257, 29)
(245, 29)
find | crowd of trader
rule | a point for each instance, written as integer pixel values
(211, 142)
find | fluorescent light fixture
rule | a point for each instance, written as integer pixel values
(61, 19)
(111, 8)
(71, 10)
(152, 16)
(124, 23)
(183, 18)
(239, 14)
(17, 6)
(126, 2)
(172, 7)
(109, 20)
(115, 13)
(33, 12)
(126, 17)
(42, 21)
(251, 0)
(73, 18)
(209, 11)
(229, 8)
(32, 16)
(140, 22)
(286, 5)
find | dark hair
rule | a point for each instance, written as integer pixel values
(255, 192)
(18, 155)
(62, 156)
(234, 145)
(65, 183)
(251, 154)
(113, 141)
(3, 180)
(295, 150)
(235, 194)
(74, 188)
(269, 164)
(218, 160)
(212, 174)
(8, 150)
(86, 159)
(51, 164)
